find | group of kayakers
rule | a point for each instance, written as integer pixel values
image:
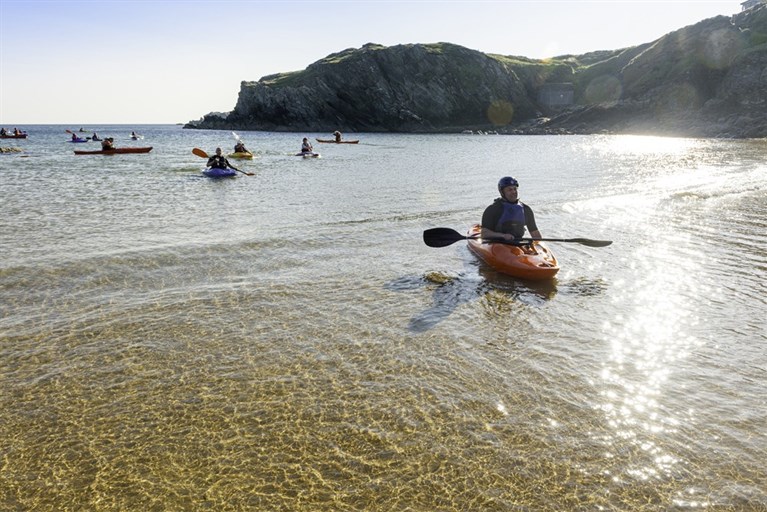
(16, 132)
(219, 161)
(506, 218)
(107, 143)
(306, 146)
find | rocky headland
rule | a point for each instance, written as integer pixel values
(704, 80)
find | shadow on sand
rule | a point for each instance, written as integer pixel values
(452, 290)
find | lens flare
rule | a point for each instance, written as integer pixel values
(603, 89)
(500, 112)
(720, 48)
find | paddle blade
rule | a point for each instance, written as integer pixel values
(441, 237)
(200, 153)
(236, 137)
(591, 243)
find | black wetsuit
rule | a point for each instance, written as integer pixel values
(218, 162)
(514, 218)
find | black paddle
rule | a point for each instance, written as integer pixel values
(442, 237)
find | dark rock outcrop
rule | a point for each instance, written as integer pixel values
(708, 79)
(405, 88)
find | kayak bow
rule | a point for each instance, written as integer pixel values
(241, 154)
(213, 172)
(533, 261)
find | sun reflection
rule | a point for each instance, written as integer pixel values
(649, 144)
(648, 342)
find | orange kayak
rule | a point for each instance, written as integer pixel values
(534, 262)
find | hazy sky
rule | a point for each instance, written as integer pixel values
(167, 61)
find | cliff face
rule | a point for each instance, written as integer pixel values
(708, 79)
(405, 88)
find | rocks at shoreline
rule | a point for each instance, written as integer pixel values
(704, 80)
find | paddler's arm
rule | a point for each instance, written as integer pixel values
(488, 234)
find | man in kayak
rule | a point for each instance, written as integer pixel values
(240, 147)
(107, 144)
(219, 161)
(507, 217)
(306, 146)
(337, 135)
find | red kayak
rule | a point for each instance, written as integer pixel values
(22, 135)
(529, 261)
(333, 141)
(115, 151)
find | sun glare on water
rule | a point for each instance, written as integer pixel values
(648, 144)
(648, 346)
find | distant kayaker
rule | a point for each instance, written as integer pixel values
(3, 131)
(95, 137)
(240, 147)
(306, 146)
(107, 144)
(337, 135)
(74, 137)
(219, 161)
(507, 217)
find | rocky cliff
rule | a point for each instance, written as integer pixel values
(404, 88)
(708, 79)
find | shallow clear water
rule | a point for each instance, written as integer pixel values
(287, 341)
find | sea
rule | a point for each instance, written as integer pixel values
(286, 341)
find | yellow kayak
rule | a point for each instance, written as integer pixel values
(241, 154)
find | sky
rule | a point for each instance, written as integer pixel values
(84, 62)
